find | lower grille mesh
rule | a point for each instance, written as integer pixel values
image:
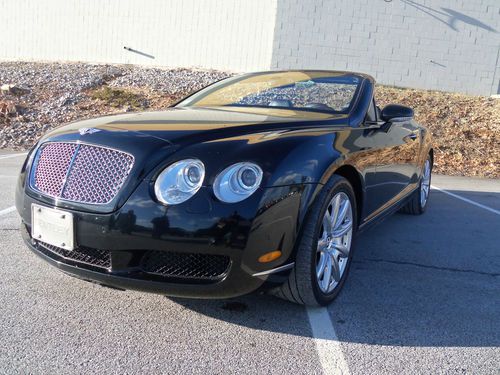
(94, 257)
(186, 265)
(194, 266)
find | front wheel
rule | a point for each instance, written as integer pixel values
(324, 251)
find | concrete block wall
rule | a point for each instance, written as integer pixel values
(220, 34)
(449, 45)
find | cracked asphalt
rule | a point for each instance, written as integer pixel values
(423, 297)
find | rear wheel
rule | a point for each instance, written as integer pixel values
(324, 251)
(418, 201)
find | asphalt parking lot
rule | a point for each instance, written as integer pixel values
(423, 296)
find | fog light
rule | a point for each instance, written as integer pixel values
(269, 257)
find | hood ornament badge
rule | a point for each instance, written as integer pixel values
(84, 131)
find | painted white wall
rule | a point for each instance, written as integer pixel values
(222, 34)
(451, 45)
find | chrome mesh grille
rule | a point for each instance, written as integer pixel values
(96, 175)
(52, 167)
(80, 173)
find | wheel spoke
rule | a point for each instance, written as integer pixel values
(327, 222)
(320, 268)
(342, 214)
(343, 230)
(427, 172)
(425, 189)
(425, 184)
(343, 250)
(327, 274)
(335, 268)
(322, 244)
(335, 211)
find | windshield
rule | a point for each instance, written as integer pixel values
(310, 91)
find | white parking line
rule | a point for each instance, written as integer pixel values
(7, 210)
(328, 346)
(327, 343)
(467, 200)
(12, 155)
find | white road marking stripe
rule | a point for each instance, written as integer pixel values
(467, 200)
(7, 210)
(327, 343)
(12, 155)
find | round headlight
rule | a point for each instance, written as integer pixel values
(179, 181)
(237, 182)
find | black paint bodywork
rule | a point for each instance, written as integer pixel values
(298, 153)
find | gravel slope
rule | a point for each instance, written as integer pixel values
(466, 129)
(53, 94)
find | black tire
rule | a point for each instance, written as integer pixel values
(302, 286)
(414, 205)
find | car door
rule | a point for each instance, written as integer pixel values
(396, 149)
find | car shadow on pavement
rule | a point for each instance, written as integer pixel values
(430, 280)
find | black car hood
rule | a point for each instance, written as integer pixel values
(178, 126)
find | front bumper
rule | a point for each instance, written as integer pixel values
(268, 220)
(234, 284)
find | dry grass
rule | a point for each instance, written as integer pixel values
(118, 97)
(108, 100)
(466, 129)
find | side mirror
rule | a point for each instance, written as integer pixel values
(396, 113)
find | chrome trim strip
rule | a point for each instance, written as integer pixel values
(70, 166)
(274, 270)
(33, 165)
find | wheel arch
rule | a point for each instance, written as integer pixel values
(352, 175)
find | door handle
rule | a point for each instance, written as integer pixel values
(413, 136)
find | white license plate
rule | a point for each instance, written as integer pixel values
(52, 226)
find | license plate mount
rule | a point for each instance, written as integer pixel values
(52, 226)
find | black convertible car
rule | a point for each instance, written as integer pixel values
(257, 182)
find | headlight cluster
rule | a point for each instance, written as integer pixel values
(181, 180)
(237, 182)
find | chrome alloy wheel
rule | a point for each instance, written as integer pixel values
(425, 186)
(334, 243)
